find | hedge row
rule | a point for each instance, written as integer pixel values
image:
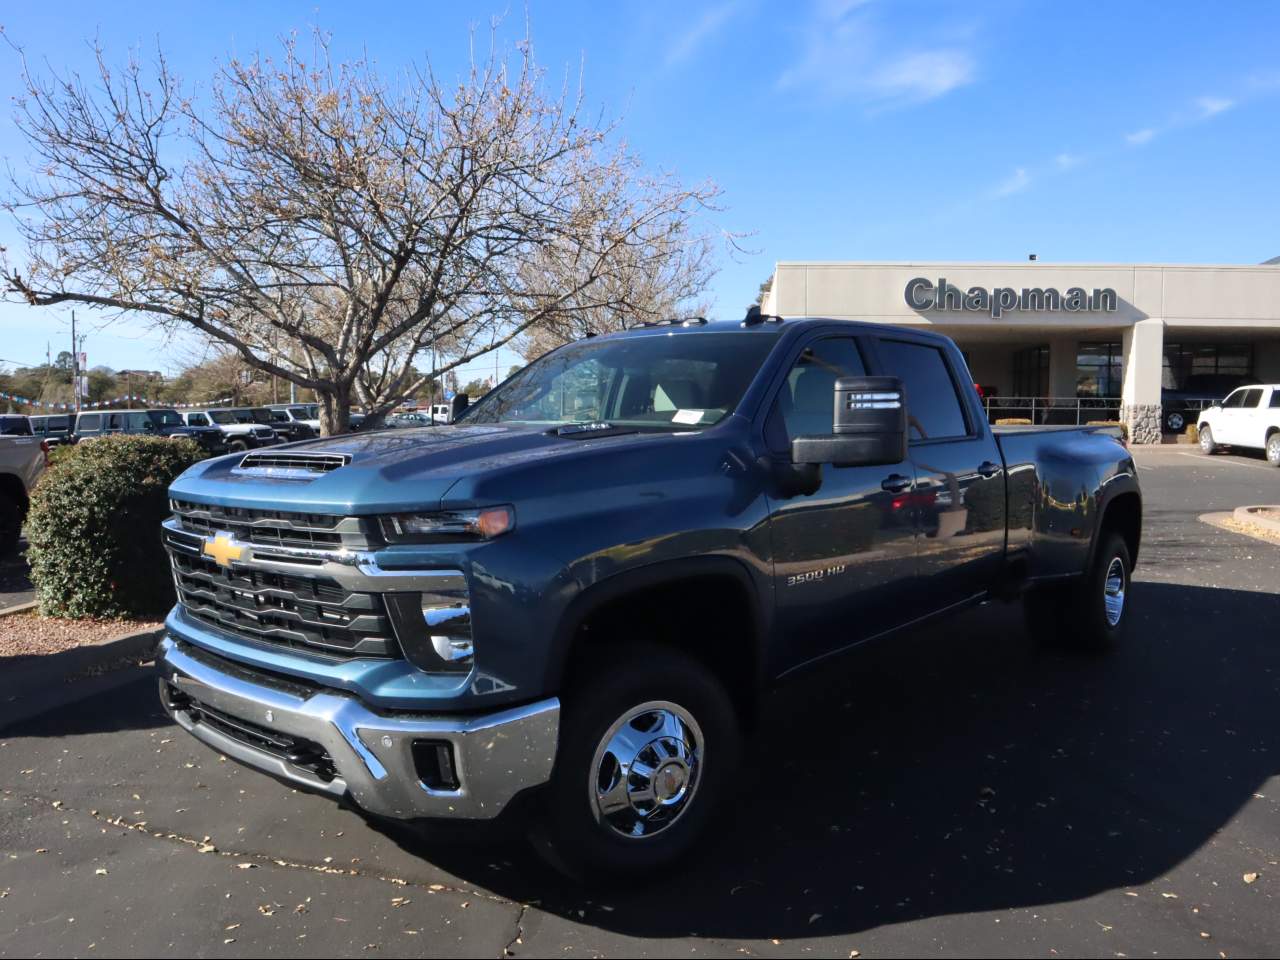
(94, 527)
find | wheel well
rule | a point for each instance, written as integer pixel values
(1270, 431)
(1124, 515)
(711, 617)
(12, 489)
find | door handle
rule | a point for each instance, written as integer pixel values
(895, 483)
(987, 469)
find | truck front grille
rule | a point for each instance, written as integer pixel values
(275, 528)
(302, 609)
(309, 613)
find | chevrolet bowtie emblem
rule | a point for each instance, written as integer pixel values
(223, 548)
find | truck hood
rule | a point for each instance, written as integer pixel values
(408, 468)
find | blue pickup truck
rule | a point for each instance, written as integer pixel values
(575, 595)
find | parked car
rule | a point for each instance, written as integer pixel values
(23, 457)
(1182, 405)
(15, 425)
(161, 422)
(304, 419)
(56, 428)
(579, 592)
(1248, 417)
(240, 427)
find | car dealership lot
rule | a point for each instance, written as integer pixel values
(954, 791)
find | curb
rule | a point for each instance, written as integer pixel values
(1244, 528)
(1251, 515)
(19, 608)
(46, 683)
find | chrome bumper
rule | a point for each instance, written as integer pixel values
(495, 755)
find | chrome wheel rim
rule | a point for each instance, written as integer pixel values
(1113, 591)
(646, 770)
(1176, 422)
(1206, 440)
(1273, 449)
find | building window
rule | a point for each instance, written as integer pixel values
(1031, 372)
(1099, 370)
(1185, 360)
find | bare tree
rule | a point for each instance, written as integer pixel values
(330, 226)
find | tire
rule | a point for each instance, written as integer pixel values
(1207, 446)
(237, 446)
(1094, 615)
(1273, 449)
(1175, 422)
(10, 525)
(643, 706)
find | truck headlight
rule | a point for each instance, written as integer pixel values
(481, 524)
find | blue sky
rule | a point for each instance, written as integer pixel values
(838, 130)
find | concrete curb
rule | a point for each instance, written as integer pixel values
(44, 681)
(19, 608)
(1254, 516)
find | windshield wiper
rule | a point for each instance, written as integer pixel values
(591, 428)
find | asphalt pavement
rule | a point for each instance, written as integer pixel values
(956, 791)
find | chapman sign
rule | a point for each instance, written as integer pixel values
(923, 295)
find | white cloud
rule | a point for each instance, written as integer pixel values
(1018, 181)
(1065, 161)
(1139, 137)
(845, 57)
(1209, 106)
(700, 31)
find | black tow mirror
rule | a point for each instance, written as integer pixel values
(459, 403)
(869, 426)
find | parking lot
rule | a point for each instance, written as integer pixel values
(957, 790)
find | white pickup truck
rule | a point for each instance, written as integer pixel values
(1248, 417)
(22, 460)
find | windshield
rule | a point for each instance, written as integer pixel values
(674, 381)
(310, 412)
(165, 418)
(222, 416)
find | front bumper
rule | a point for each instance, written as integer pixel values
(350, 750)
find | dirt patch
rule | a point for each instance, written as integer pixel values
(1256, 530)
(28, 634)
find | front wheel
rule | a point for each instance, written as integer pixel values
(1207, 446)
(237, 446)
(1273, 449)
(649, 743)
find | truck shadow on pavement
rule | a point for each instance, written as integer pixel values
(962, 769)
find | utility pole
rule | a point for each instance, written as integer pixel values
(75, 363)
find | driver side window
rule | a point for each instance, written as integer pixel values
(806, 403)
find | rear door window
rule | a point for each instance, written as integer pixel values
(934, 411)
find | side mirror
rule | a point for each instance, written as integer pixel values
(869, 426)
(459, 403)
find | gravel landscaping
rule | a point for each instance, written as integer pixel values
(28, 634)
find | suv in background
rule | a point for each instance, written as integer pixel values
(1248, 417)
(241, 427)
(1182, 405)
(161, 422)
(56, 428)
(15, 425)
(303, 419)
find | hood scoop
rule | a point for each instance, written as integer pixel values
(290, 466)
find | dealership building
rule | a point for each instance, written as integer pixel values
(1064, 342)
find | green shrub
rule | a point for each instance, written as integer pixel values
(94, 527)
(60, 452)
